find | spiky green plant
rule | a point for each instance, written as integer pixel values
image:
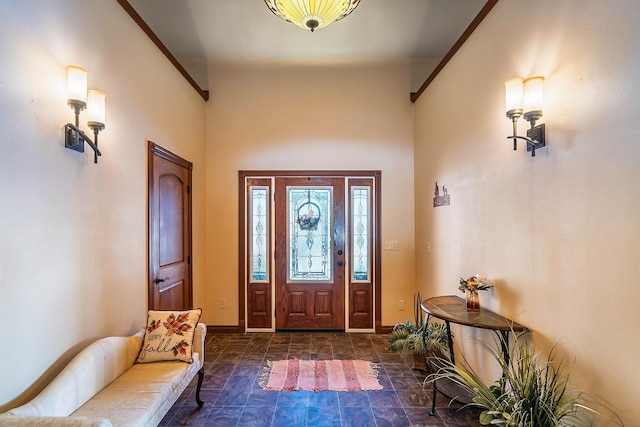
(430, 338)
(398, 338)
(401, 333)
(532, 391)
(422, 339)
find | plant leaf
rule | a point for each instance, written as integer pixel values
(485, 418)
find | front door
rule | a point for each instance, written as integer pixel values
(170, 286)
(309, 250)
(310, 253)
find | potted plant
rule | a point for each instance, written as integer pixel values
(532, 391)
(419, 338)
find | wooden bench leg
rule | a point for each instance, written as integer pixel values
(200, 379)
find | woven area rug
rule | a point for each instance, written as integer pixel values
(319, 375)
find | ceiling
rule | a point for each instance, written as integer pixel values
(197, 31)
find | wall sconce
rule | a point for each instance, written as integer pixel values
(79, 99)
(526, 95)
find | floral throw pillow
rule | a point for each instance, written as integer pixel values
(169, 336)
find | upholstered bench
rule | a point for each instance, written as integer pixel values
(105, 386)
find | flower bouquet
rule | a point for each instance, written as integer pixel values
(471, 286)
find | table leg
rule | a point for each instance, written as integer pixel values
(433, 399)
(435, 389)
(453, 361)
(450, 339)
(504, 344)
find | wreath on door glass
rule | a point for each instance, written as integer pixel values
(308, 215)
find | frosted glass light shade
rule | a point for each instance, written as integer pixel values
(514, 94)
(96, 107)
(533, 94)
(311, 14)
(76, 84)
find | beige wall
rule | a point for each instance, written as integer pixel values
(558, 233)
(73, 234)
(290, 116)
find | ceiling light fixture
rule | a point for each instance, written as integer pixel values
(311, 14)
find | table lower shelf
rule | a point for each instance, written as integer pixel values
(452, 391)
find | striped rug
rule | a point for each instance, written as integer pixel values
(318, 375)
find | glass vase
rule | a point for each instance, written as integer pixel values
(473, 301)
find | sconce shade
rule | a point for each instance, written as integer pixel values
(96, 108)
(514, 96)
(76, 86)
(311, 14)
(533, 95)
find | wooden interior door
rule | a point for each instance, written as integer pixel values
(310, 253)
(170, 283)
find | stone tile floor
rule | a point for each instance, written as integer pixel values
(233, 397)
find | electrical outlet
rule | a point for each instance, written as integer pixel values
(223, 303)
(401, 304)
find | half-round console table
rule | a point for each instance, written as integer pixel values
(453, 309)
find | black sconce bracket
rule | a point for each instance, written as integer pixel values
(535, 138)
(75, 139)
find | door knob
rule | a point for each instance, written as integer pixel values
(159, 280)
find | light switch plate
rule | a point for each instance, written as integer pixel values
(390, 245)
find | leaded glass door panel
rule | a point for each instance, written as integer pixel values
(259, 283)
(310, 253)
